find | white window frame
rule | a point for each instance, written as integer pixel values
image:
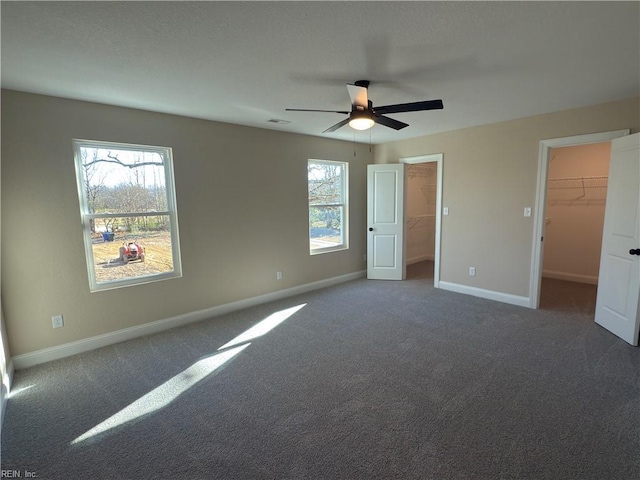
(345, 208)
(171, 212)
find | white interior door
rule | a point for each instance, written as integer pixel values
(385, 222)
(619, 282)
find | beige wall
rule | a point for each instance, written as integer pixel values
(489, 176)
(575, 212)
(242, 207)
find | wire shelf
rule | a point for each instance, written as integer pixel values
(577, 190)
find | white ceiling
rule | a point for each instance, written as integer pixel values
(245, 62)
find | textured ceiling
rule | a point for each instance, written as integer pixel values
(245, 62)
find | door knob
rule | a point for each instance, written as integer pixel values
(371, 230)
(634, 251)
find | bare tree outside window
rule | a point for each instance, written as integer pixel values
(126, 196)
(327, 188)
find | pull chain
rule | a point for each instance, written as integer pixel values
(354, 143)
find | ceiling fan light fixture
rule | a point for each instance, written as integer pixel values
(363, 115)
(361, 120)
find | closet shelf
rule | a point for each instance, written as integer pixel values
(577, 190)
(579, 182)
(421, 170)
(415, 221)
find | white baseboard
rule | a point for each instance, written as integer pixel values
(488, 294)
(571, 277)
(10, 370)
(54, 353)
(420, 258)
(5, 389)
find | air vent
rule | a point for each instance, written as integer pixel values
(278, 121)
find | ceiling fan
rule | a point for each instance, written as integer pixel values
(364, 115)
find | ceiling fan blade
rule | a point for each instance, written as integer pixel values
(389, 122)
(410, 107)
(306, 110)
(358, 95)
(337, 126)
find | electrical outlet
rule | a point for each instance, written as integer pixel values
(472, 271)
(57, 321)
(279, 275)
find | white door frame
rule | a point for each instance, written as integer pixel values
(541, 199)
(438, 158)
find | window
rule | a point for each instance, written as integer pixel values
(128, 209)
(328, 195)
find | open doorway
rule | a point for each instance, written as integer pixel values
(574, 220)
(387, 223)
(542, 193)
(423, 185)
(420, 219)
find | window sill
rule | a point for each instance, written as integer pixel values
(319, 251)
(132, 282)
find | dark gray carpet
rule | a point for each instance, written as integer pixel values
(369, 380)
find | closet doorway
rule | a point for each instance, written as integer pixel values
(574, 220)
(567, 234)
(423, 186)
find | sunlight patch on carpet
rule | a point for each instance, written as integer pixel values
(263, 327)
(163, 395)
(169, 391)
(18, 391)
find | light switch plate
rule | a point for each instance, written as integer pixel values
(445, 211)
(527, 211)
